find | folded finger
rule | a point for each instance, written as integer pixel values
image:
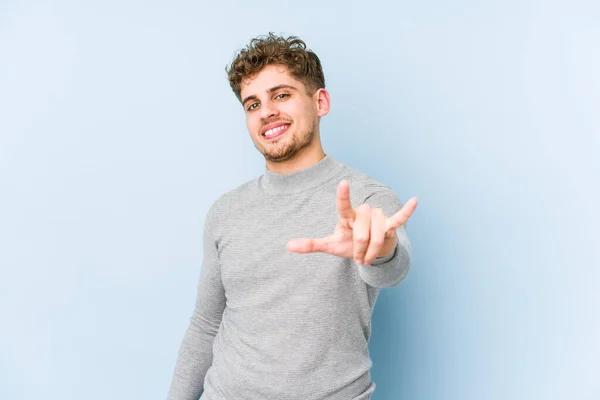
(361, 232)
(377, 237)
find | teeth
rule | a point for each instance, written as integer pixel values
(274, 130)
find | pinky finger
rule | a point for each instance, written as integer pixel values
(400, 218)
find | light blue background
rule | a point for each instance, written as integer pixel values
(118, 130)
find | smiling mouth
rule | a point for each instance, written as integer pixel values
(276, 132)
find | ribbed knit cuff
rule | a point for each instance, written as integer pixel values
(385, 259)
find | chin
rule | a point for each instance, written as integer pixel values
(279, 158)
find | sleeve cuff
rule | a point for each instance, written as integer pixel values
(382, 260)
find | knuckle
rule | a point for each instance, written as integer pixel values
(361, 239)
(377, 242)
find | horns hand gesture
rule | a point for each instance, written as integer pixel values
(362, 233)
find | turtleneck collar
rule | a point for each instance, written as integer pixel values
(299, 181)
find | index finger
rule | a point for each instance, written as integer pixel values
(344, 205)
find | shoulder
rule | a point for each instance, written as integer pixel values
(225, 205)
(364, 186)
(232, 199)
(366, 189)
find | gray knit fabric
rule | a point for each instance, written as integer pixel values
(275, 325)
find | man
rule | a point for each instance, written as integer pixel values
(294, 259)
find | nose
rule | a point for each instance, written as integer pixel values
(268, 109)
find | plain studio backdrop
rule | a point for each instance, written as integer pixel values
(118, 130)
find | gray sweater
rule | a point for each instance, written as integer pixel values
(275, 325)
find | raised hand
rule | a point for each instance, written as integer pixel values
(362, 233)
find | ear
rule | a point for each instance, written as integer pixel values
(322, 100)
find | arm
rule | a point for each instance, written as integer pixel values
(195, 354)
(390, 270)
(375, 228)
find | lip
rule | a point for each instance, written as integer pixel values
(271, 126)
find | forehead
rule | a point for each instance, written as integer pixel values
(270, 76)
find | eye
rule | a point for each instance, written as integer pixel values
(281, 95)
(252, 106)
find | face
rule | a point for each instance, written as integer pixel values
(281, 115)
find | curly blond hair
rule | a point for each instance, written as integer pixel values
(290, 52)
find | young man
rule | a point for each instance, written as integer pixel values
(294, 259)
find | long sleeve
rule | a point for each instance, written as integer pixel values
(195, 354)
(388, 271)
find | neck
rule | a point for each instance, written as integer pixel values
(310, 177)
(305, 158)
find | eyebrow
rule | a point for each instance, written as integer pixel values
(271, 90)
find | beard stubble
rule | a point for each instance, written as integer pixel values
(287, 147)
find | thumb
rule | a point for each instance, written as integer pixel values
(308, 245)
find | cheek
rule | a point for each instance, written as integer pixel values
(294, 113)
(252, 124)
(306, 116)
